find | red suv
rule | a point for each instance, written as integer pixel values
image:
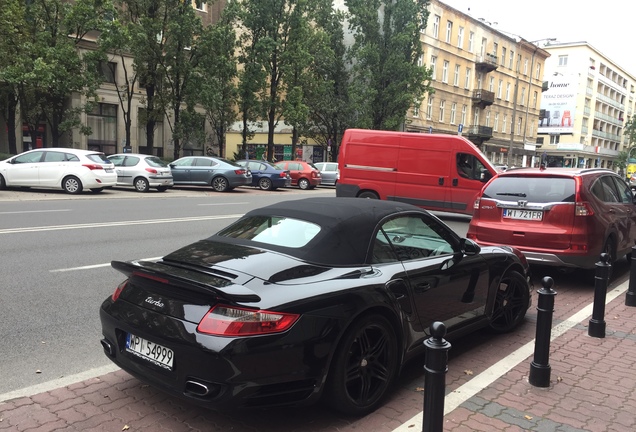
(303, 174)
(563, 217)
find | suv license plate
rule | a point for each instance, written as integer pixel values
(523, 214)
(150, 351)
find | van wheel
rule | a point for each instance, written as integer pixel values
(369, 195)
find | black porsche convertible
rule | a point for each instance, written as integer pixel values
(304, 299)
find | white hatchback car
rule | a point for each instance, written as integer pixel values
(71, 170)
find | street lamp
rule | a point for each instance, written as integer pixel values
(527, 102)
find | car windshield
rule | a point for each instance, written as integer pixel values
(155, 162)
(99, 158)
(273, 230)
(532, 189)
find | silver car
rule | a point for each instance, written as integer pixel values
(141, 171)
(222, 174)
(329, 172)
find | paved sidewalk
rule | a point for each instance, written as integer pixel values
(593, 388)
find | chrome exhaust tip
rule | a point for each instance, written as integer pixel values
(108, 347)
(197, 388)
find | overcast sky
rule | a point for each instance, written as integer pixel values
(607, 25)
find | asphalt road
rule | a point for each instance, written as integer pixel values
(55, 254)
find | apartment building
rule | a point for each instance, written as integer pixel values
(487, 85)
(587, 101)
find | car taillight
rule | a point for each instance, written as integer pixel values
(231, 321)
(315, 174)
(283, 174)
(151, 170)
(583, 209)
(93, 166)
(239, 171)
(118, 290)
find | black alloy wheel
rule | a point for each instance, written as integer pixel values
(265, 183)
(512, 297)
(364, 366)
(220, 184)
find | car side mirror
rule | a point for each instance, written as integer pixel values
(469, 247)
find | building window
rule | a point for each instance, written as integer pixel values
(103, 123)
(464, 109)
(488, 118)
(460, 38)
(523, 96)
(436, 20)
(199, 5)
(491, 86)
(429, 109)
(484, 44)
(456, 78)
(453, 113)
(503, 56)
(505, 124)
(467, 81)
(420, 60)
(416, 108)
(563, 60)
(499, 89)
(495, 49)
(449, 31)
(554, 139)
(525, 67)
(442, 111)
(445, 72)
(496, 125)
(471, 42)
(538, 73)
(519, 125)
(433, 67)
(534, 99)
(512, 59)
(507, 92)
(476, 117)
(107, 71)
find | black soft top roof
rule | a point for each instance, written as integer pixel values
(347, 227)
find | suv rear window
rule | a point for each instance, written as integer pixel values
(531, 189)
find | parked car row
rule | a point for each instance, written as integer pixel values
(74, 171)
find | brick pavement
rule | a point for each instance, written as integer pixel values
(593, 388)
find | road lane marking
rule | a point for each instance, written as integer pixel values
(94, 266)
(115, 224)
(464, 392)
(34, 211)
(223, 204)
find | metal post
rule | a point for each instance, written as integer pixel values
(435, 369)
(540, 367)
(596, 327)
(630, 296)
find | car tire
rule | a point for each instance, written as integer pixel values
(97, 190)
(265, 184)
(72, 185)
(303, 183)
(162, 188)
(141, 184)
(220, 184)
(512, 298)
(369, 195)
(3, 184)
(364, 366)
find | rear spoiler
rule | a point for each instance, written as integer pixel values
(188, 278)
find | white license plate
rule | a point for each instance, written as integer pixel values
(523, 214)
(108, 170)
(150, 351)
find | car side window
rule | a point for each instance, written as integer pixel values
(117, 160)
(205, 162)
(32, 157)
(131, 161)
(295, 167)
(610, 194)
(468, 166)
(411, 237)
(53, 156)
(624, 192)
(184, 162)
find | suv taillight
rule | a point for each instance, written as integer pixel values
(583, 209)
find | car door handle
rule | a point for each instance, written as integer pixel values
(422, 287)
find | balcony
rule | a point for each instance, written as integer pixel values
(483, 98)
(486, 63)
(478, 134)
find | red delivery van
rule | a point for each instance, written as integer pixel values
(432, 171)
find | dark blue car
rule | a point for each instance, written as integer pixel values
(265, 175)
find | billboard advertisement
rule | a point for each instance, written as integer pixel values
(558, 104)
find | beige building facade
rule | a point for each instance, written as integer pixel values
(588, 100)
(487, 86)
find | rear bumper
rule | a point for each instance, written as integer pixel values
(554, 258)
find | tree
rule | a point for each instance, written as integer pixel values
(217, 74)
(386, 78)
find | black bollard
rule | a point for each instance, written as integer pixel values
(630, 296)
(596, 327)
(540, 367)
(435, 369)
